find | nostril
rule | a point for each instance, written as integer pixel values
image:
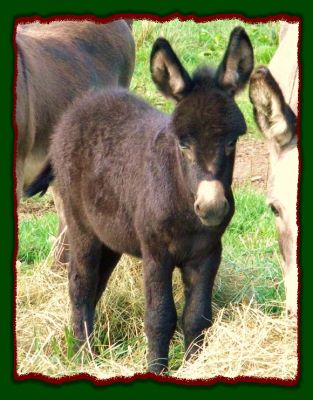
(197, 207)
(291, 312)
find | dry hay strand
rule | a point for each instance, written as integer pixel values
(243, 340)
(43, 335)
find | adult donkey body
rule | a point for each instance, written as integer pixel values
(55, 63)
(137, 181)
(274, 94)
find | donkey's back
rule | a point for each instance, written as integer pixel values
(115, 152)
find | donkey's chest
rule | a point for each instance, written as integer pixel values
(183, 236)
(188, 246)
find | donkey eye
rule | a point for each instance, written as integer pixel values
(184, 145)
(274, 209)
(230, 146)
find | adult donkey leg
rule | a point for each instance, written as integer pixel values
(61, 252)
(160, 312)
(198, 279)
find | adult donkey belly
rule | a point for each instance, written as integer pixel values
(57, 62)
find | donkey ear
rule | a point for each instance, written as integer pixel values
(237, 64)
(167, 72)
(274, 117)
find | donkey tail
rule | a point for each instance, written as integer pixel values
(41, 182)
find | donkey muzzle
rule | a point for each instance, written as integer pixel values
(211, 205)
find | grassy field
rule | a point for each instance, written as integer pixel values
(251, 334)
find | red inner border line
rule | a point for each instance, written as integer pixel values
(149, 375)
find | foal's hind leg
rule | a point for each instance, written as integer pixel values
(198, 278)
(108, 262)
(84, 278)
(90, 268)
(61, 253)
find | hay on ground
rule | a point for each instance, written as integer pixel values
(243, 340)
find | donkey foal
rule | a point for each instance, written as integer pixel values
(137, 181)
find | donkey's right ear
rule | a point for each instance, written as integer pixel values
(167, 72)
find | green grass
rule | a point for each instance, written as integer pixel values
(250, 269)
(198, 44)
(36, 236)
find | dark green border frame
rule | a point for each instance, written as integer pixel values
(105, 8)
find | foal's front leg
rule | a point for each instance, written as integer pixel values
(160, 312)
(198, 278)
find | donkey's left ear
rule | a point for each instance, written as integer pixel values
(167, 72)
(237, 64)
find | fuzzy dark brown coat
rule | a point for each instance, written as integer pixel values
(137, 181)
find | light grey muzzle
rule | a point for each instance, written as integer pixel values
(211, 205)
